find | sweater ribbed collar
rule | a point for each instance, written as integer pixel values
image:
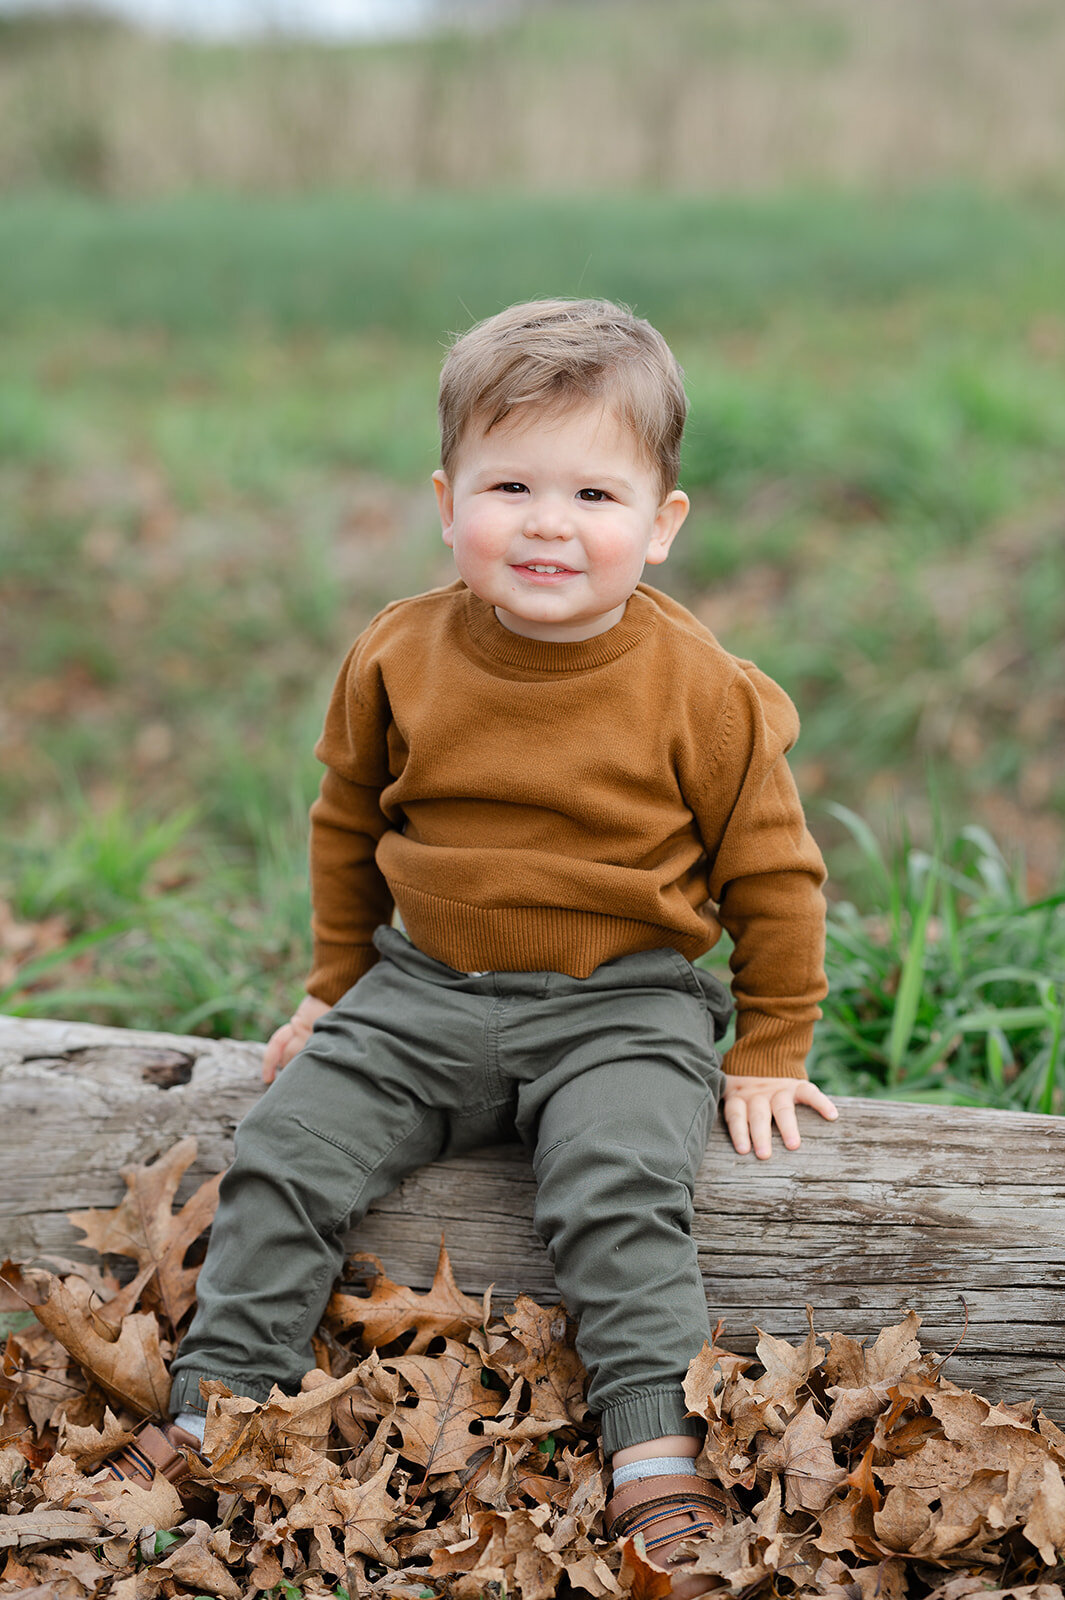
(542, 655)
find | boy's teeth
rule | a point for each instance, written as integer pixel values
(533, 568)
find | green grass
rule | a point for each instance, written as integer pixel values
(417, 267)
(947, 981)
(948, 984)
(216, 430)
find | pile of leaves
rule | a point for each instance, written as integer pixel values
(441, 1450)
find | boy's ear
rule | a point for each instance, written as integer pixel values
(445, 502)
(670, 515)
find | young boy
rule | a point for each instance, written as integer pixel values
(567, 788)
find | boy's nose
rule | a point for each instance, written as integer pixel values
(549, 520)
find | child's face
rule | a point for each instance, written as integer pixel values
(551, 520)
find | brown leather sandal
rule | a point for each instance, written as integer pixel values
(161, 1449)
(667, 1510)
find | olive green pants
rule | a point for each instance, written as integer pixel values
(611, 1081)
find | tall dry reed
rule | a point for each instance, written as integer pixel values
(738, 95)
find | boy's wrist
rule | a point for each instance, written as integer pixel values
(309, 1010)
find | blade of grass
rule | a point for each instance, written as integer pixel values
(911, 981)
(28, 974)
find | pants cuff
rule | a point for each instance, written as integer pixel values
(185, 1390)
(647, 1414)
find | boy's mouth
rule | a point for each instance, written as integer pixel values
(545, 569)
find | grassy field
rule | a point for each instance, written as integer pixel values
(216, 430)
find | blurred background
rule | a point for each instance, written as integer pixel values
(234, 238)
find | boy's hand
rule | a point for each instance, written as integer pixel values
(291, 1037)
(752, 1105)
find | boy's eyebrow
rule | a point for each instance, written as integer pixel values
(506, 473)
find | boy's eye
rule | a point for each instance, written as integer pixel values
(511, 488)
(593, 495)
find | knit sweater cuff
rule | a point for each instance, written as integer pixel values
(769, 1047)
(336, 967)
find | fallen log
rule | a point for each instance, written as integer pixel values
(957, 1213)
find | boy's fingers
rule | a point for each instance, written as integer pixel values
(808, 1094)
(788, 1124)
(275, 1057)
(736, 1123)
(760, 1118)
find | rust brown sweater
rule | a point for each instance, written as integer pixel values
(536, 806)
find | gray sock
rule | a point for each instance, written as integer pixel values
(655, 1467)
(193, 1422)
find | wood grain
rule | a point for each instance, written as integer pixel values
(957, 1213)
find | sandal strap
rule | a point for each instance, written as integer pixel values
(693, 1532)
(153, 1451)
(674, 1495)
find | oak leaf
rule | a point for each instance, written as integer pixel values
(30, 1529)
(639, 1577)
(1045, 1527)
(245, 1440)
(451, 1401)
(144, 1226)
(541, 1351)
(87, 1447)
(391, 1310)
(128, 1367)
(787, 1367)
(804, 1455)
(196, 1566)
(132, 1508)
(368, 1514)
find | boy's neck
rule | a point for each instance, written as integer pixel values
(545, 633)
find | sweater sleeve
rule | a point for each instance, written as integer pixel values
(349, 896)
(766, 877)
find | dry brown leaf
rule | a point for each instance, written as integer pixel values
(87, 1447)
(787, 1367)
(507, 1548)
(368, 1514)
(590, 1574)
(734, 1552)
(1045, 1528)
(129, 1367)
(143, 1225)
(198, 1568)
(804, 1455)
(975, 1583)
(853, 1365)
(30, 1529)
(541, 1351)
(438, 1432)
(903, 1519)
(244, 1440)
(861, 1480)
(885, 1581)
(72, 1572)
(639, 1577)
(362, 1478)
(391, 1309)
(708, 1378)
(130, 1508)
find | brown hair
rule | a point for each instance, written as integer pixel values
(556, 353)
